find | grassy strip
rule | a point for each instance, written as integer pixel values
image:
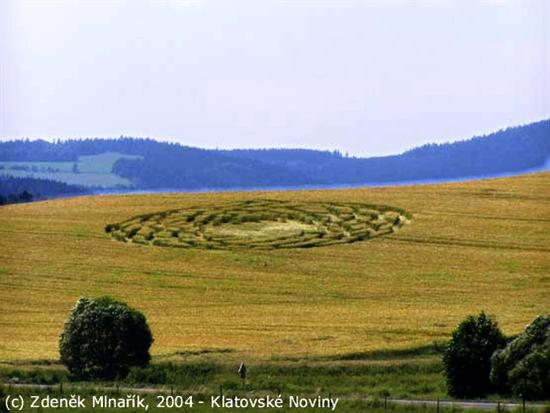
(412, 373)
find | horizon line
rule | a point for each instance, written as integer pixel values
(347, 154)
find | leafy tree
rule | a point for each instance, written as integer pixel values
(523, 367)
(467, 357)
(103, 338)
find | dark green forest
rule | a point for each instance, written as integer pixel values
(165, 165)
(14, 190)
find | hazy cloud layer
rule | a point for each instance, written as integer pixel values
(364, 77)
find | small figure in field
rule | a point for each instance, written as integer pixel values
(242, 372)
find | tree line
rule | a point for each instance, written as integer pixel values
(14, 190)
(166, 165)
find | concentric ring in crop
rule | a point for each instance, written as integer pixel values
(263, 224)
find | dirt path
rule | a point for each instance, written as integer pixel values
(479, 405)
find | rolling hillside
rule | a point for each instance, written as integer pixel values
(469, 246)
(126, 163)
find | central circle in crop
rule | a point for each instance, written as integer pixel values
(265, 224)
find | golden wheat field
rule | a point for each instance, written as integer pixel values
(480, 245)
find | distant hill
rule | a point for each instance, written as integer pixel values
(148, 164)
(511, 150)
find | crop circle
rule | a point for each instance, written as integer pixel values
(263, 224)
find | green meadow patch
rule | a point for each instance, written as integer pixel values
(91, 170)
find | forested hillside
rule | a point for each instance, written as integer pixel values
(511, 150)
(14, 190)
(162, 165)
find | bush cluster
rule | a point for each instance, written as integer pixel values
(523, 367)
(478, 360)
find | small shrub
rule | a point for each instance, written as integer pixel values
(103, 338)
(467, 358)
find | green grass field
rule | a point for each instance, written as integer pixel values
(414, 373)
(311, 312)
(93, 170)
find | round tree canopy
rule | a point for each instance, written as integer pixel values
(103, 338)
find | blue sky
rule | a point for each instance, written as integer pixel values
(365, 77)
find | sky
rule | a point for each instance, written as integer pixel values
(363, 77)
